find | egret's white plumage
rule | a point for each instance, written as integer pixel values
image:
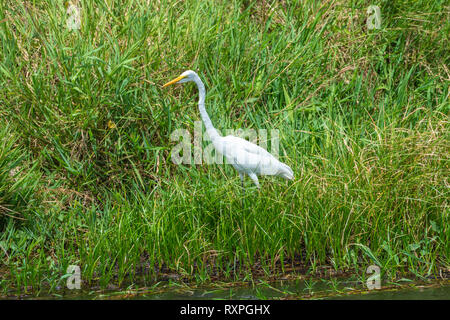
(244, 156)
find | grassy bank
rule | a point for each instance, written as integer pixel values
(86, 176)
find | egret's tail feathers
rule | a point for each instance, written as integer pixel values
(286, 172)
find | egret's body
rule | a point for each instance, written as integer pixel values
(244, 156)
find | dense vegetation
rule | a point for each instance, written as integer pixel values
(86, 176)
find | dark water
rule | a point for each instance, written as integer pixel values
(433, 293)
(293, 289)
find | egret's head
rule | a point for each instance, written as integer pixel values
(186, 76)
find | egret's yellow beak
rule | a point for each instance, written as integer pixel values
(173, 81)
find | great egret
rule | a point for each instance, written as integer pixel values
(244, 156)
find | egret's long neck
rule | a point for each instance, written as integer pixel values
(212, 132)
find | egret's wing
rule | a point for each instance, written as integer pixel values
(236, 142)
(248, 157)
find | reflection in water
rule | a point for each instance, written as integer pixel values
(293, 289)
(433, 293)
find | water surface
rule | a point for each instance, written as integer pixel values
(292, 289)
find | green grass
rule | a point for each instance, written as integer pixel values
(362, 116)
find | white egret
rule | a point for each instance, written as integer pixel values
(244, 156)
